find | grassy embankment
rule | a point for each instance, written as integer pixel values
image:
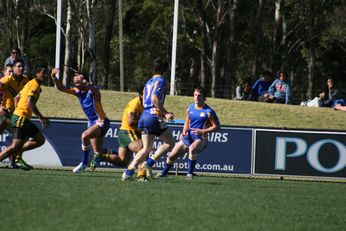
(236, 113)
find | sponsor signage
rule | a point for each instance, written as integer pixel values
(300, 153)
(229, 150)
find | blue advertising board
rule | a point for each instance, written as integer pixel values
(229, 150)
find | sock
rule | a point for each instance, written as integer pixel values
(150, 162)
(190, 166)
(96, 156)
(85, 157)
(129, 171)
(12, 160)
(167, 167)
(141, 172)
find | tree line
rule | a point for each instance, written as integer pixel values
(220, 42)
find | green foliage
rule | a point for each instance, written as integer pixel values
(305, 28)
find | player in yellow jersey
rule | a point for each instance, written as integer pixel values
(129, 136)
(26, 136)
(11, 85)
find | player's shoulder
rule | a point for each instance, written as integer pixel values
(6, 78)
(31, 83)
(94, 88)
(191, 106)
(208, 109)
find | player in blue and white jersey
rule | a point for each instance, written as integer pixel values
(152, 121)
(89, 97)
(200, 120)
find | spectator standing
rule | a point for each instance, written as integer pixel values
(17, 54)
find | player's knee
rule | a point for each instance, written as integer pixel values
(41, 141)
(171, 159)
(171, 142)
(85, 136)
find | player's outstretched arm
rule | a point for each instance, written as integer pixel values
(57, 82)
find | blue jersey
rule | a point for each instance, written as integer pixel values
(86, 100)
(155, 86)
(201, 118)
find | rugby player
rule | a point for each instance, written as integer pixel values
(25, 135)
(129, 137)
(90, 99)
(10, 85)
(200, 120)
(151, 122)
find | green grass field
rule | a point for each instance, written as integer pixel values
(60, 200)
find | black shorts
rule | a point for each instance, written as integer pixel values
(23, 128)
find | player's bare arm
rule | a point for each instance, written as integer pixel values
(132, 119)
(186, 125)
(16, 100)
(32, 105)
(97, 102)
(57, 82)
(158, 104)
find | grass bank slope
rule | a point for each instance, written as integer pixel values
(53, 103)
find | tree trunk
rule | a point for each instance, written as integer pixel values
(258, 25)
(91, 48)
(204, 45)
(9, 9)
(277, 22)
(311, 66)
(108, 38)
(230, 54)
(68, 44)
(22, 8)
(215, 56)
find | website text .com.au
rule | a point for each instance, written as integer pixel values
(208, 167)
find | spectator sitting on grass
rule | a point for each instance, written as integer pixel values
(261, 86)
(279, 91)
(330, 93)
(244, 91)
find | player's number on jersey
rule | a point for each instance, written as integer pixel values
(149, 88)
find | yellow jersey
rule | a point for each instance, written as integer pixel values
(11, 86)
(134, 105)
(31, 89)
